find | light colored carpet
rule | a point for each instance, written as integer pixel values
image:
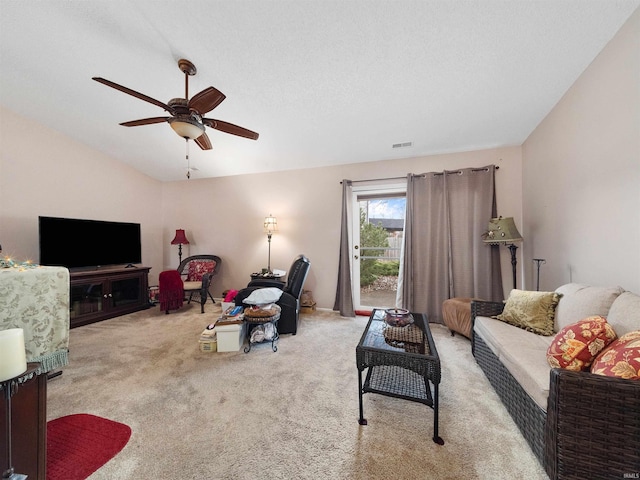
(292, 414)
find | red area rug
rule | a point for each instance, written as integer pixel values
(78, 445)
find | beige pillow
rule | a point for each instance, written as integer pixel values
(533, 311)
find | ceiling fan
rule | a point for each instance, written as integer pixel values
(187, 115)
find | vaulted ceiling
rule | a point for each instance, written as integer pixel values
(322, 82)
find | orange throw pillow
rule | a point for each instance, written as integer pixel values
(621, 359)
(577, 345)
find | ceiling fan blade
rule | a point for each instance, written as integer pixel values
(144, 121)
(206, 100)
(203, 142)
(133, 93)
(230, 128)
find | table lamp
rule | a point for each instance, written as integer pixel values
(504, 231)
(13, 363)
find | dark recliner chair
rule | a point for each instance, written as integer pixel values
(291, 291)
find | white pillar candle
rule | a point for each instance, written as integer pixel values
(13, 358)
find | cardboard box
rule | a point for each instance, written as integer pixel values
(230, 337)
(208, 346)
(208, 340)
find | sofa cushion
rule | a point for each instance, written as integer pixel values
(189, 286)
(521, 352)
(577, 345)
(582, 301)
(621, 359)
(624, 315)
(533, 311)
(493, 331)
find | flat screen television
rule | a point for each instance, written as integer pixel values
(76, 243)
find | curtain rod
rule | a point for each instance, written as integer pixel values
(377, 179)
(403, 178)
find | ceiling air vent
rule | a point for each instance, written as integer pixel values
(402, 145)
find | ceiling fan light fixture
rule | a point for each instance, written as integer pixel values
(186, 127)
(186, 113)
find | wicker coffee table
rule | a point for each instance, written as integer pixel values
(401, 362)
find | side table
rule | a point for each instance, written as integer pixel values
(267, 276)
(28, 426)
(253, 321)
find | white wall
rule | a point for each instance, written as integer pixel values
(581, 169)
(43, 172)
(56, 176)
(224, 216)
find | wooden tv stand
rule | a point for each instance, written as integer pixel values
(106, 293)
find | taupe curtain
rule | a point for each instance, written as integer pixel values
(444, 255)
(344, 293)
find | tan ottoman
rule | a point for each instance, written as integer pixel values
(456, 313)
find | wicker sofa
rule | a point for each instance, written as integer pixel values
(578, 424)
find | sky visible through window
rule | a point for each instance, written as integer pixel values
(387, 208)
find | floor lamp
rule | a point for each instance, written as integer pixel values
(270, 226)
(13, 363)
(503, 231)
(180, 239)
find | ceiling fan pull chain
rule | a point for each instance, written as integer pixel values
(188, 165)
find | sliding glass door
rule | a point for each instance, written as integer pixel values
(377, 234)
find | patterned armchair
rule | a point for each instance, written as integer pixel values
(197, 274)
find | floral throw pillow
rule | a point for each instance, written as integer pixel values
(197, 268)
(533, 311)
(621, 359)
(577, 345)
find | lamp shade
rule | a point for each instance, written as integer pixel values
(13, 359)
(180, 238)
(502, 230)
(270, 224)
